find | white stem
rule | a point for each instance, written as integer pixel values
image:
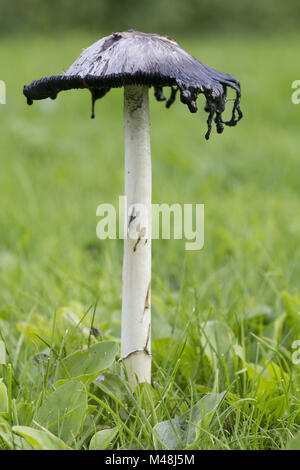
(136, 297)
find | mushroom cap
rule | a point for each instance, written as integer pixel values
(132, 57)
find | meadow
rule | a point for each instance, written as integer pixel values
(225, 318)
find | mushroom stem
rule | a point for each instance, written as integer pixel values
(136, 297)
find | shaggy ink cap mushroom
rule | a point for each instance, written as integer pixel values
(135, 58)
(139, 61)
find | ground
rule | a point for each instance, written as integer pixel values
(225, 318)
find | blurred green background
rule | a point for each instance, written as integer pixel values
(169, 16)
(57, 165)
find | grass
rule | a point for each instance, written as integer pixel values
(224, 318)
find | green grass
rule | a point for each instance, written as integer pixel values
(224, 318)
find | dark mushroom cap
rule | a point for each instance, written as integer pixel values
(131, 58)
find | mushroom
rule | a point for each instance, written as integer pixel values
(138, 61)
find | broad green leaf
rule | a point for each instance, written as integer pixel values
(103, 438)
(294, 444)
(274, 330)
(64, 410)
(277, 373)
(86, 365)
(5, 433)
(260, 383)
(2, 352)
(237, 403)
(90, 409)
(203, 389)
(112, 385)
(276, 406)
(169, 433)
(25, 410)
(3, 398)
(259, 312)
(292, 306)
(266, 380)
(10, 440)
(40, 440)
(216, 339)
(180, 432)
(207, 404)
